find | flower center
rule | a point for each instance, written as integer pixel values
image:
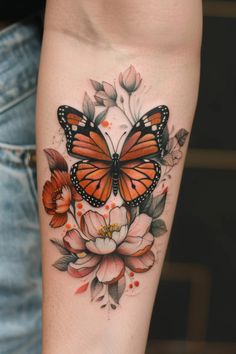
(82, 254)
(107, 230)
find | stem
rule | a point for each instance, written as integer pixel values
(123, 111)
(74, 217)
(129, 105)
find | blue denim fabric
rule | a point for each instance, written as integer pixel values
(20, 262)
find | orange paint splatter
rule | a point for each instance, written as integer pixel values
(79, 205)
(105, 123)
(82, 289)
(68, 226)
(107, 207)
(79, 213)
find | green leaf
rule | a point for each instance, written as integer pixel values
(60, 246)
(63, 262)
(88, 107)
(101, 116)
(181, 136)
(158, 227)
(96, 288)
(117, 289)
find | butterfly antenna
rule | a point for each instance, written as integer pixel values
(113, 147)
(119, 141)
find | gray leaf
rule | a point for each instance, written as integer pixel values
(60, 246)
(158, 227)
(117, 289)
(96, 85)
(154, 206)
(181, 136)
(158, 205)
(100, 298)
(133, 212)
(63, 262)
(165, 137)
(88, 107)
(96, 288)
(146, 205)
(101, 116)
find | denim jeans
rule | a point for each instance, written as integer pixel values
(20, 262)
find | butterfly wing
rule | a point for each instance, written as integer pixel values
(91, 176)
(137, 180)
(93, 181)
(139, 174)
(84, 138)
(145, 138)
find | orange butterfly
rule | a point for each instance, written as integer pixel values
(133, 172)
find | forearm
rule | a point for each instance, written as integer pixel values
(83, 42)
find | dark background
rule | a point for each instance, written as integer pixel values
(195, 308)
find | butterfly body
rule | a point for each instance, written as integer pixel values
(134, 172)
(115, 172)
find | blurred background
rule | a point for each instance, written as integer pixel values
(195, 309)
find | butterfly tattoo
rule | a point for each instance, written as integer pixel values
(134, 172)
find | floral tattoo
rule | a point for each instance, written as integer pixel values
(108, 244)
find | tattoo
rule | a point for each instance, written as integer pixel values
(110, 204)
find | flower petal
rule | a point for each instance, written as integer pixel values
(58, 220)
(60, 179)
(73, 241)
(136, 246)
(83, 266)
(47, 195)
(118, 215)
(101, 95)
(129, 78)
(101, 245)
(91, 223)
(119, 236)
(109, 90)
(140, 264)
(121, 80)
(111, 269)
(109, 103)
(140, 225)
(64, 200)
(55, 160)
(138, 81)
(76, 196)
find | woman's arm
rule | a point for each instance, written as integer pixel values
(105, 225)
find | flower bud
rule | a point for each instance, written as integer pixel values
(130, 80)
